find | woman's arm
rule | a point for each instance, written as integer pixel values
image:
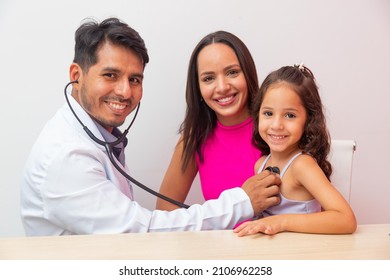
(176, 183)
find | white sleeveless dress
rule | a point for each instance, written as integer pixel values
(288, 206)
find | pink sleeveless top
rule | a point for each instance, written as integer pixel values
(229, 158)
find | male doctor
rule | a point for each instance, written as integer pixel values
(69, 185)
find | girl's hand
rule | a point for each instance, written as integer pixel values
(267, 225)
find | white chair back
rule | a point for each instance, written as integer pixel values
(341, 158)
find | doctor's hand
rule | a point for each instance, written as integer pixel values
(263, 190)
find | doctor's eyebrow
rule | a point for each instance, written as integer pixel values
(118, 71)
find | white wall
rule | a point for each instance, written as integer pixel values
(345, 43)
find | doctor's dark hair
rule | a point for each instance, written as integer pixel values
(200, 120)
(315, 139)
(91, 35)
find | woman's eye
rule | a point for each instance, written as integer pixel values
(233, 73)
(207, 79)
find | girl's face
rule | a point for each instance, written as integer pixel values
(222, 83)
(282, 118)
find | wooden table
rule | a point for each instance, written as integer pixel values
(369, 242)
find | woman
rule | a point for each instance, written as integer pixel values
(216, 134)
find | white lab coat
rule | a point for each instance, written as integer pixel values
(69, 186)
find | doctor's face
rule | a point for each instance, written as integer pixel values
(111, 89)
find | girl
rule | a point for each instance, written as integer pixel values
(291, 133)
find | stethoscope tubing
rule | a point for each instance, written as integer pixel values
(109, 145)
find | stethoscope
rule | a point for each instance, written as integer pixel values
(109, 148)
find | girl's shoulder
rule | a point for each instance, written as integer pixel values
(259, 162)
(304, 163)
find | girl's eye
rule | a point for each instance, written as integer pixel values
(290, 115)
(267, 113)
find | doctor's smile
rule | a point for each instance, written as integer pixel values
(117, 107)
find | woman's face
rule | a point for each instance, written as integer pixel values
(222, 83)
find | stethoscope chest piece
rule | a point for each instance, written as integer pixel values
(273, 169)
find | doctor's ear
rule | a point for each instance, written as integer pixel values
(75, 72)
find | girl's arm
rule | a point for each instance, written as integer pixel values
(176, 184)
(337, 216)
